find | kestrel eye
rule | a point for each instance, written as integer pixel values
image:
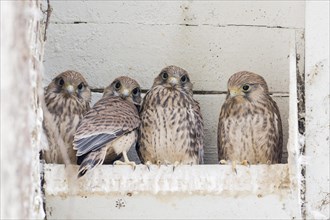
(246, 88)
(61, 82)
(164, 75)
(184, 79)
(81, 86)
(136, 91)
(117, 85)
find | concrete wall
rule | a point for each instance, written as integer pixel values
(213, 40)
(210, 40)
(317, 110)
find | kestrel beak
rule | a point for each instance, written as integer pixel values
(234, 91)
(125, 93)
(69, 88)
(173, 81)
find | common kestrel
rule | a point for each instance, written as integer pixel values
(67, 99)
(250, 128)
(110, 128)
(171, 121)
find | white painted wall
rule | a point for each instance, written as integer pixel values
(190, 192)
(317, 110)
(266, 37)
(21, 115)
(211, 40)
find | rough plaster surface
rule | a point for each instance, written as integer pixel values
(212, 41)
(21, 51)
(210, 54)
(317, 87)
(171, 194)
(106, 39)
(226, 13)
(176, 206)
(88, 38)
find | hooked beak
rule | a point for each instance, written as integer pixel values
(125, 93)
(234, 92)
(173, 81)
(69, 88)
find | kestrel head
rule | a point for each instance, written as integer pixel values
(246, 84)
(126, 88)
(174, 77)
(71, 84)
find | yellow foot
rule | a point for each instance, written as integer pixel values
(245, 163)
(131, 163)
(223, 162)
(233, 164)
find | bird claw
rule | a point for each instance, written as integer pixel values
(234, 167)
(223, 162)
(148, 164)
(245, 163)
(176, 163)
(131, 163)
(234, 162)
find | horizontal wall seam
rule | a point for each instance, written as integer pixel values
(204, 92)
(178, 24)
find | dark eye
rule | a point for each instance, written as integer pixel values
(184, 78)
(81, 86)
(117, 85)
(61, 82)
(136, 91)
(164, 75)
(246, 88)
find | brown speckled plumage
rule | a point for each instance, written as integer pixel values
(250, 125)
(171, 121)
(110, 127)
(67, 99)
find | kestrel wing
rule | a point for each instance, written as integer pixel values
(138, 146)
(199, 132)
(95, 142)
(221, 132)
(109, 118)
(278, 133)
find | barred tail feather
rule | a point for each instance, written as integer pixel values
(92, 160)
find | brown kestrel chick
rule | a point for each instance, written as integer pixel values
(250, 127)
(67, 99)
(171, 121)
(110, 128)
